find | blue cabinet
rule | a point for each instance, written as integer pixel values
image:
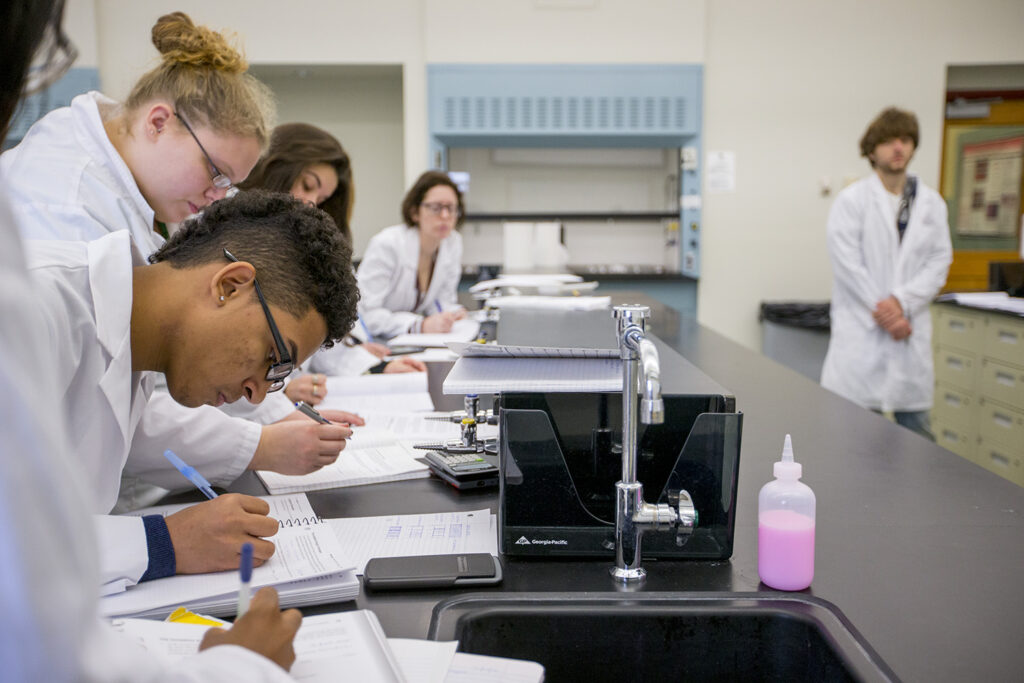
(576, 105)
(503, 105)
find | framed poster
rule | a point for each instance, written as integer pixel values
(990, 186)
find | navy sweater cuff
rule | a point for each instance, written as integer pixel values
(161, 551)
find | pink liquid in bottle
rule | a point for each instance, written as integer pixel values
(785, 550)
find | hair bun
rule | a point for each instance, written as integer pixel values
(180, 41)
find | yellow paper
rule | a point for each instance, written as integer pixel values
(184, 616)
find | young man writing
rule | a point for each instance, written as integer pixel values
(232, 302)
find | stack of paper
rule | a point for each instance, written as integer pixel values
(556, 303)
(475, 350)
(397, 392)
(466, 329)
(307, 568)
(556, 375)
(357, 465)
(353, 643)
(526, 280)
(997, 301)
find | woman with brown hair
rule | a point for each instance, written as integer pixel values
(309, 163)
(409, 275)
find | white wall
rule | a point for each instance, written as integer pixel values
(790, 87)
(362, 107)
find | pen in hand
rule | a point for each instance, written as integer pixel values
(311, 412)
(437, 304)
(245, 572)
(191, 474)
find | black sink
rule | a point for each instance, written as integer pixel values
(663, 636)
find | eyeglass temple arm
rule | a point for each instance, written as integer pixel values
(282, 349)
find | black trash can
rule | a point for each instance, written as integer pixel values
(796, 333)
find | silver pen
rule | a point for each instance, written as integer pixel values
(310, 412)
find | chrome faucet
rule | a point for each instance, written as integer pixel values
(634, 516)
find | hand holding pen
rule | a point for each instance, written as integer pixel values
(311, 412)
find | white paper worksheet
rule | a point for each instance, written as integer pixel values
(438, 533)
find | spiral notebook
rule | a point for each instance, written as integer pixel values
(308, 567)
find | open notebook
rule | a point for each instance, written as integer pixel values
(307, 568)
(381, 451)
(353, 643)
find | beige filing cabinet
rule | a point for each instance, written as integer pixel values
(979, 387)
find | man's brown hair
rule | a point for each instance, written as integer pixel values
(892, 123)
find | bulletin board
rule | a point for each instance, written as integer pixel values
(985, 202)
(989, 198)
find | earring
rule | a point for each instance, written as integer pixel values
(222, 298)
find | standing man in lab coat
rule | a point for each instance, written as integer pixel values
(888, 239)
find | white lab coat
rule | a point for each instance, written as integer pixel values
(48, 571)
(863, 362)
(66, 181)
(85, 294)
(387, 280)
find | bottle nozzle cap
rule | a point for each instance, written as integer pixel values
(787, 468)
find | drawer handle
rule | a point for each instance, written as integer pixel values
(957, 325)
(1006, 379)
(1008, 337)
(953, 400)
(954, 362)
(999, 459)
(950, 436)
(1002, 420)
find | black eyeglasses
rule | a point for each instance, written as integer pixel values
(283, 366)
(219, 179)
(437, 208)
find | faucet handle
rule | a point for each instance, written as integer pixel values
(631, 314)
(652, 411)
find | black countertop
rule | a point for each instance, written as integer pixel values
(922, 550)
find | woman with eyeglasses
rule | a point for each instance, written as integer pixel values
(310, 164)
(190, 128)
(409, 275)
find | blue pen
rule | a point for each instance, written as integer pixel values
(191, 474)
(438, 305)
(245, 572)
(369, 337)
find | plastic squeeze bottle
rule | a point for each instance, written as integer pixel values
(785, 527)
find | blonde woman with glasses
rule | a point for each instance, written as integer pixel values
(191, 128)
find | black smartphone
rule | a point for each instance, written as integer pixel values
(472, 471)
(432, 571)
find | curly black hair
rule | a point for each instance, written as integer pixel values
(300, 257)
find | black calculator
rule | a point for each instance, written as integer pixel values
(464, 470)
